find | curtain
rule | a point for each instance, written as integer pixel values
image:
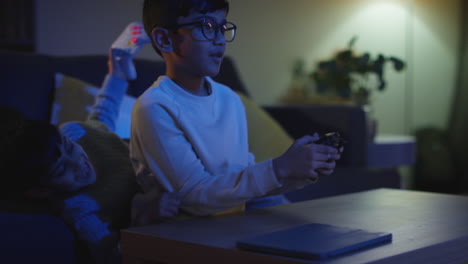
(458, 125)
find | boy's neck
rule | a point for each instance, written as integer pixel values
(194, 85)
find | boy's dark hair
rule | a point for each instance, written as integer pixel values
(28, 149)
(164, 13)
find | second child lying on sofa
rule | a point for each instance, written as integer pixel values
(84, 166)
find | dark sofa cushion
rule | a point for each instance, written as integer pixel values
(93, 68)
(27, 79)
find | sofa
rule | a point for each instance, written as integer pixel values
(34, 232)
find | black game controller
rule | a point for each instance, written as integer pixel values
(332, 139)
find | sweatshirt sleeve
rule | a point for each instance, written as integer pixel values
(174, 164)
(108, 101)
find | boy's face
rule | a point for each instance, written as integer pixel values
(195, 55)
(73, 169)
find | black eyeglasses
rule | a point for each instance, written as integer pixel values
(209, 29)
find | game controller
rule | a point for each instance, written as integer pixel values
(132, 38)
(332, 139)
(128, 44)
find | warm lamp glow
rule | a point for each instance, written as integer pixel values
(384, 9)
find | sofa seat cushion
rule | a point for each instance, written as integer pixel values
(35, 238)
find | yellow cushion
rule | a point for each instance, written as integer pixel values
(73, 99)
(267, 139)
(236, 210)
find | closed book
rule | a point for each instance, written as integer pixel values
(314, 241)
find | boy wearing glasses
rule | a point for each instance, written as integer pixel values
(189, 133)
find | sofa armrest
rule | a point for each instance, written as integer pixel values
(349, 121)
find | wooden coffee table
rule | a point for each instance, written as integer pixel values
(426, 228)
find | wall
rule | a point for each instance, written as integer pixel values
(274, 33)
(82, 27)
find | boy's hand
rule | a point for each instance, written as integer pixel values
(325, 171)
(124, 48)
(168, 205)
(305, 160)
(152, 207)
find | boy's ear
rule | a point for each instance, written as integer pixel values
(161, 39)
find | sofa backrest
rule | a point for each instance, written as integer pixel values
(27, 84)
(27, 79)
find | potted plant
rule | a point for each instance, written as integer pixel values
(347, 74)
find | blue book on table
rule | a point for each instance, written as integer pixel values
(314, 241)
